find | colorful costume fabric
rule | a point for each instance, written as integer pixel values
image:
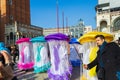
(40, 49)
(60, 68)
(90, 51)
(74, 55)
(26, 56)
(89, 54)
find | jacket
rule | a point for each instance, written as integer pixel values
(111, 60)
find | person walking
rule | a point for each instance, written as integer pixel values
(107, 60)
(6, 64)
(15, 53)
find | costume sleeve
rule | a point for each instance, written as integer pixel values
(93, 63)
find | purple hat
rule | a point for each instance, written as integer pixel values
(57, 36)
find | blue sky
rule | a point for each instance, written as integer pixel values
(43, 12)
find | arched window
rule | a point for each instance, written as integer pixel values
(116, 24)
(76, 29)
(11, 35)
(103, 26)
(10, 2)
(72, 30)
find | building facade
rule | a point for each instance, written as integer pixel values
(47, 31)
(87, 29)
(108, 17)
(73, 31)
(16, 31)
(77, 30)
(14, 19)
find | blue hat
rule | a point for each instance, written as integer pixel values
(2, 47)
(74, 41)
(38, 39)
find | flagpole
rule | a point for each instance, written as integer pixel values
(63, 21)
(66, 25)
(57, 13)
